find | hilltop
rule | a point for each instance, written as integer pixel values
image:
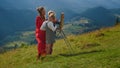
(97, 49)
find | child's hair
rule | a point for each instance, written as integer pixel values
(52, 15)
(50, 11)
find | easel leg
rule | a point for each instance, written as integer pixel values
(66, 41)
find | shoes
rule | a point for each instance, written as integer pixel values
(43, 55)
(38, 56)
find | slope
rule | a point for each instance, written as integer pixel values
(98, 49)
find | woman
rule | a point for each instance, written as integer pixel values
(40, 35)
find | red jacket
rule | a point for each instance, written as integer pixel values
(39, 33)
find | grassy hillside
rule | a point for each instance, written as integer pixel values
(98, 49)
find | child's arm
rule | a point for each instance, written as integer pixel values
(51, 26)
(43, 26)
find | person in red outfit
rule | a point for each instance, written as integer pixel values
(40, 35)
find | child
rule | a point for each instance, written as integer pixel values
(50, 28)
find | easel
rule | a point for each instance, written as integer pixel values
(63, 34)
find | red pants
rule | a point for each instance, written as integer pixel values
(41, 46)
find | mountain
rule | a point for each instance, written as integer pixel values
(12, 20)
(76, 6)
(99, 16)
(115, 11)
(99, 48)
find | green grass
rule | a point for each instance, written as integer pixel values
(97, 49)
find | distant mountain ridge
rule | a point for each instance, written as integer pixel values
(15, 20)
(99, 16)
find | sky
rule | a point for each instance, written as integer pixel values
(28, 4)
